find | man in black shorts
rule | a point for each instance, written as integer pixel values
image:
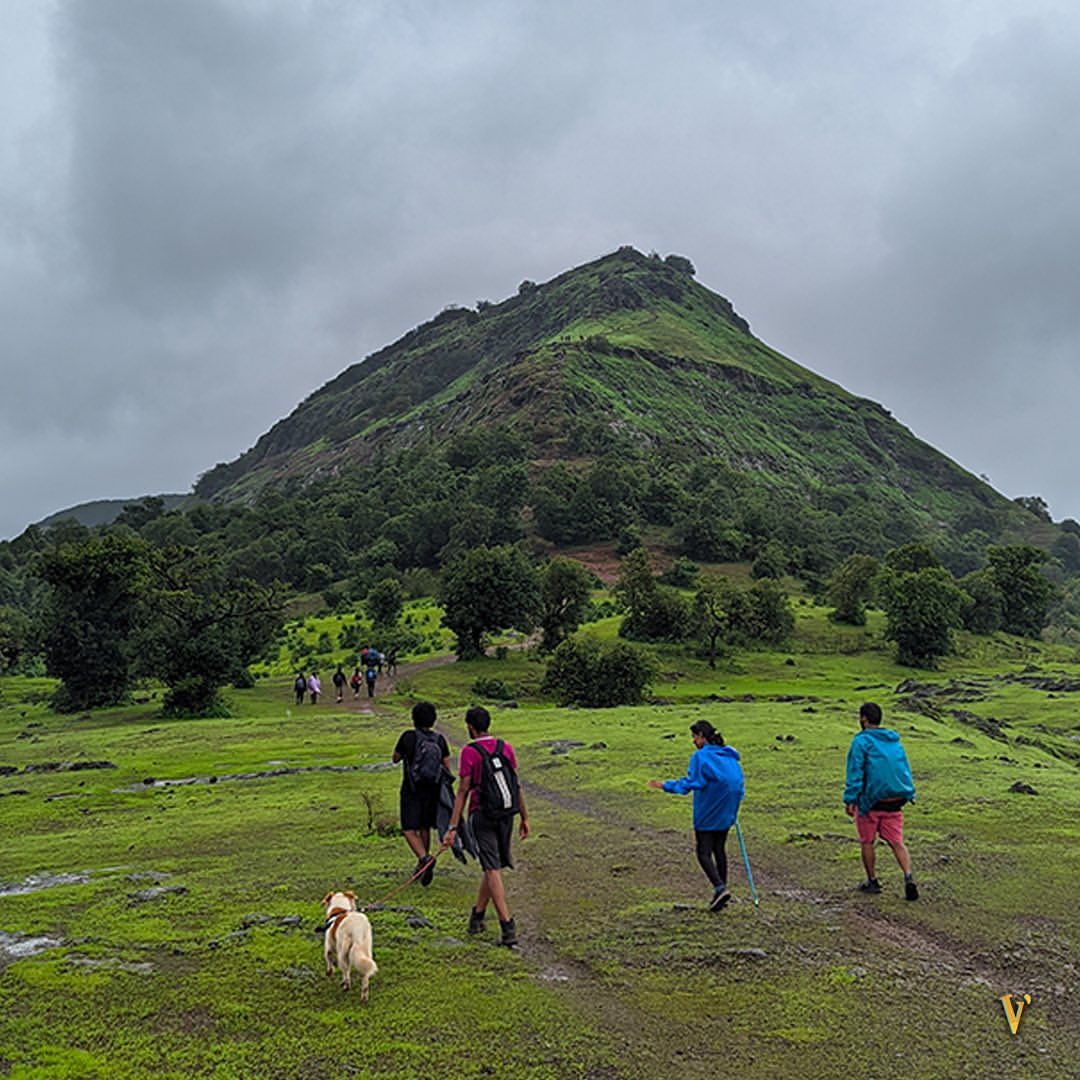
(426, 755)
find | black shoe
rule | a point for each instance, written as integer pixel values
(911, 890)
(720, 900)
(509, 933)
(428, 862)
(476, 922)
(870, 886)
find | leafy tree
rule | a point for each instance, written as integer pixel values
(709, 616)
(851, 588)
(910, 558)
(16, 638)
(582, 671)
(488, 589)
(681, 574)
(760, 615)
(565, 586)
(92, 610)
(922, 607)
(653, 612)
(771, 561)
(1066, 550)
(385, 602)
(982, 612)
(203, 629)
(1025, 592)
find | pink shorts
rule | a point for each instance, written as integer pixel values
(888, 824)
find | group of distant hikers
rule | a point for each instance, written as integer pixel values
(372, 664)
(877, 785)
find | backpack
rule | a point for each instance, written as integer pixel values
(425, 766)
(370, 674)
(498, 782)
(339, 678)
(300, 685)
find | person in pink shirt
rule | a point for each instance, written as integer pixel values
(488, 771)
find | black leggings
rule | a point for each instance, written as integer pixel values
(710, 854)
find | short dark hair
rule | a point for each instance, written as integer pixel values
(871, 713)
(423, 714)
(707, 732)
(478, 718)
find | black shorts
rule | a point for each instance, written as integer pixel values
(419, 807)
(492, 837)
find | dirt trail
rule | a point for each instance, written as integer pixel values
(863, 933)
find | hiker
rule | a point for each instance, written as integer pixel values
(339, 683)
(300, 687)
(426, 757)
(314, 687)
(878, 784)
(356, 682)
(369, 678)
(488, 771)
(390, 659)
(715, 777)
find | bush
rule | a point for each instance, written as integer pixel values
(582, 671)
(490, 687)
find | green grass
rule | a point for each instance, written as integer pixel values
(621, 973)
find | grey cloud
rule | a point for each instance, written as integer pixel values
(208, 209)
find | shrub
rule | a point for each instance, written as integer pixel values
(490, 687)
(582, 671)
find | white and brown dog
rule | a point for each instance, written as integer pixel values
(348, 940)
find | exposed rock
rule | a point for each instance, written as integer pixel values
(156, 892)
(1021, 788)
(418, 922)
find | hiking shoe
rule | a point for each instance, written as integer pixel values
(720, 900)
(509, 933)
(911, 890)
(870, 886)
(476, 922)
(428, 862)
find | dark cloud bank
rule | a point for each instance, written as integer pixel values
(209, 209)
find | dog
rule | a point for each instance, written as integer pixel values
(347, 940)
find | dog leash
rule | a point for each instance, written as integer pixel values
(393, 892)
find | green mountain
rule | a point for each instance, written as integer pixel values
(106, 511)
(629, 348)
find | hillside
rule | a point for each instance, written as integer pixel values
(106, 511)
(632, 347)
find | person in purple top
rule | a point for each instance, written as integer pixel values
(488, 770)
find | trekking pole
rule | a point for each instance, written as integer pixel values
(746, 863)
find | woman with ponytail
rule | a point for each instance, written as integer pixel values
(715, 777)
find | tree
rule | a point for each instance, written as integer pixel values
(1025, 592)
(582, 671)
(385, 602)
(1034, 504)
(910, 558)
(653, 612)
(16, 638)
(771, 561)
(565, 586)
(709, 615)
(91, 613)
(851, 588)
(487, 589)
(203, 629)
(982, 612)
(922, 607)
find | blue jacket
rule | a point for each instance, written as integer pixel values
(877, 768)
(715, 777)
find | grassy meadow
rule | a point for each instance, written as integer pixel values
(153, 928)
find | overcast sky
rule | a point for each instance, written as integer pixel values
(208, 208)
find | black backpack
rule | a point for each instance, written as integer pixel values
(499, 796)
(300, 685)
(425, 766)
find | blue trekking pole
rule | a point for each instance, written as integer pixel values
(746, 863)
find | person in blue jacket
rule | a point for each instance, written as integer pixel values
(878, 784)
(715, 777)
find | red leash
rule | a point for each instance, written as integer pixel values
(393, 892)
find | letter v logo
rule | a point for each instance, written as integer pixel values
(1011, 1014)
